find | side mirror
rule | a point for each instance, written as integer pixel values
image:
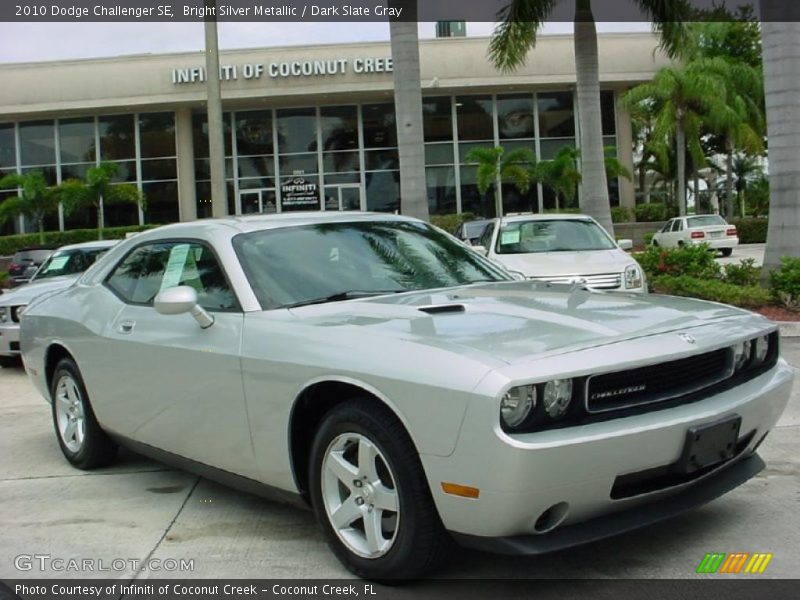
(625, 244)
(480, 249)
(180, 300)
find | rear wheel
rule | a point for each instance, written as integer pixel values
(726, 251)
(370, 495)
(82, 441)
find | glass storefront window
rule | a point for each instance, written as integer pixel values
(256, 166)
(465, 147)
(157, 134)
(383, 191)
(256, 183)
(76, 140)
(441, 184)
(380, 130)
(607, 112)
(514, 201)
(117, 141)
(49, 172)
(556, 114)
(162, 201)
(379, 160)
(437, 119)
(37, 143)
(550, 148)
(8, 150)
(354, 177)
(254, 133)
(77, 171)
(515, 116)
(121, 215)
(339, 126)
(298, 164)
(165, 168)
(340, 162)
(475, 120)
(297, 130)
(439, 154)
(481, 205)
(7, 227)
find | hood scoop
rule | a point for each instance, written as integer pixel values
(440, 309)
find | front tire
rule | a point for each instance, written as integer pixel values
(82, 441)
(726, 251)
(370, 494)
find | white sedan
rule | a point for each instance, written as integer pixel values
(562, 248)
(404, 387)
(699, 229)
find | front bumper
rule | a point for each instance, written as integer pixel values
(574, 470)
(9, 339)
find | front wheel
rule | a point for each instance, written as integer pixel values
(82, 441)
(726, 251)
(370, 495)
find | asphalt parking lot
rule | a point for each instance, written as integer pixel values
(142, 510)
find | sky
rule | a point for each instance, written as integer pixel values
(31, 42)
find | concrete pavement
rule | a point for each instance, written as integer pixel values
(139, 509)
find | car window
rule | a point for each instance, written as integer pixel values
(705, 221)
(309, 264)
(566, 235)
(486, 237)
(68, 262)
(677, 225)
(667, 227)
(150, 269)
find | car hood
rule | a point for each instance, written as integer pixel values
(24, 294)
(514, 321)
(556, 264)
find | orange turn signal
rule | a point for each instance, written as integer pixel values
(464, 491)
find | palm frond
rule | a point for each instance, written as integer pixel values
(519, 23)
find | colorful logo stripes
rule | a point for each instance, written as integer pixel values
(734, 563)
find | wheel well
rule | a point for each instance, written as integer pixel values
(54, 354)
(308, 411)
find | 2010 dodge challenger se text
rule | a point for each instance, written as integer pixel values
(407, 388)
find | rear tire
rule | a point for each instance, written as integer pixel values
(370, 494)
(83, 443)
(726, 251)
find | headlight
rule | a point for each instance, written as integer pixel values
(3, 314)
(633, 277)
(557, 396)
(516, 405)
(760, 349)
(741, 354)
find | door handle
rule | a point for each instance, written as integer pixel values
(126, 326)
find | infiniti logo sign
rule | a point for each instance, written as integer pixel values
(619, 392)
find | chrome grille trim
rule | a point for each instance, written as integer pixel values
(602, 281)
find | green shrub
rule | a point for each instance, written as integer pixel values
(744, 273)
(620, 214)
(450, 222)
(694, 261)
(750, 296)
(648, 238)
(785, 282)
(751, 231)
(9, 244)
(650, 213)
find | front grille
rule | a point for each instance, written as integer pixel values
(15, 314)
(605, 281)
(656, 383)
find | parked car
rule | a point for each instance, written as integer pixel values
(58, 271)
(699, 229)
(402, 385)
(564, 248)
(471, 231)
(24, 264)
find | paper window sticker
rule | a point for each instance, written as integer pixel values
(175, 265)
(58, 263)
(510, 237)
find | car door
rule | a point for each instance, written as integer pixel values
(679, 233)
(662, 236)
(178, 387)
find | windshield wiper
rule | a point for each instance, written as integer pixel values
(339, 296)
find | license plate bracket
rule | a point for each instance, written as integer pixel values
(709, 444)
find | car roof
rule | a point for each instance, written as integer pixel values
(546, 217)
(89, 245)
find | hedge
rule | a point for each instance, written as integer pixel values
(10, 244)
(650, 212)
(751, 231)
(450, 222)
(751, 296)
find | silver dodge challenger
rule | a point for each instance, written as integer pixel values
(407, 389)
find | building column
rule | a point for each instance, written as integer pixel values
(187, 191)
(627, 191)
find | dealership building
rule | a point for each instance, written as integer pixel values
(306, 128)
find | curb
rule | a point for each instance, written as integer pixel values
(789, 329)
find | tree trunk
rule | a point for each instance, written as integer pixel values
(594, 184)
(40, 227)
(408, 111)
(100, 219)
(781, 41)
(696, 192)
(680, 142)
(730, 210)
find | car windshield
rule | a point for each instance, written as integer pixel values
(565, 235)
(474, 230)
(68, 262)
(705, 221)
(337, 261)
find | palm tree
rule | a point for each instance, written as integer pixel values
(408, 111)
(780, 32)
(561, 175)
(495, 168)
(97, 191)
(36, 199)
(684, 96)
(515, 35)
(614, 167)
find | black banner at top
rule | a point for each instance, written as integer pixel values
(371, 10)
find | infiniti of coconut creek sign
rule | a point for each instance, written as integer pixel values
(293, 68)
